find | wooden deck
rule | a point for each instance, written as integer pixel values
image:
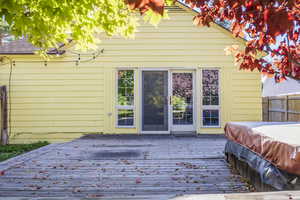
(282, 195)
(122, 167)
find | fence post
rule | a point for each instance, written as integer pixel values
(286, 108)
(268, 109)
(4, 115)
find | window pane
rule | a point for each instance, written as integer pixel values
(125, 117)
(210, 117)
(182, 99)
(125, 87)
(210, 87)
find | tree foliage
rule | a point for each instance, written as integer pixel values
(46, 23)
(271, 25)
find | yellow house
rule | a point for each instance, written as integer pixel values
(171, 79)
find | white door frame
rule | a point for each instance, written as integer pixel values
(171, 127)
(183, 128)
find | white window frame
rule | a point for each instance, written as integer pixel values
(122, 107)
(210, 107)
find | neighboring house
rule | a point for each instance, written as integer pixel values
(288, 87)
(169, 79)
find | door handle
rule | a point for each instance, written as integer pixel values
(170, 100)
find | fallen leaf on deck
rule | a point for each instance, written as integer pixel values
(138, 180)
(76, 190)
(2, 173)
(94, 195)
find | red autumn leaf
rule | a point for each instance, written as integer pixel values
(138, 181)
(143, 5)
(295, 36)
(137, 3)
(236, 29)
(270, 75)
(266, 15)
(281, 79)
(94, 195)
(2, 173)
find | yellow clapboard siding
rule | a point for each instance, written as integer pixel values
(201, 53)
(161, 34)
(61, 68)
(57, 100)
(246, 99)
(74, 94)
(244, 108)
(50, 88)
(152, 42)
(253, 112)
(55, 105)
(51, 137)
(211, 130)
(150, 48)
(61, 117)
(87, 83)
(61, 129)
(158, 60)
(65, 123)
(63, 101)
(54, 112)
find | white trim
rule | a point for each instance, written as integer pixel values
(127, 107)
(140, 99)
(118, 126)
(190, 127)
(211, 127)
(210, 107)
(154, 69)
(155, 132)
(170, 119)
(167, 68)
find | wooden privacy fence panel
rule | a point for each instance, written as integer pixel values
(3, 115)
(286, 108)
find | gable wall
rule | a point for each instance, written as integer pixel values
(62, 101)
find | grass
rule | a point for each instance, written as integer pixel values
(12, 150)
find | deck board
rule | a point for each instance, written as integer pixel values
(131, 167)
(282, 195)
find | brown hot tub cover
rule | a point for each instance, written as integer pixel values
(276, 142)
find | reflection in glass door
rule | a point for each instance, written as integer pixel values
(182, 104)
(155, 101)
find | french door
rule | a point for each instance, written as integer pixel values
(167, 101)
(182, 101)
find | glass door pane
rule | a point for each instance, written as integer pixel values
(155, 100)
(182, 100)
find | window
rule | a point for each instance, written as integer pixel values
(210, 98)
(125, 98)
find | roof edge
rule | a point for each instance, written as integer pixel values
(214, 24)
(218, 26)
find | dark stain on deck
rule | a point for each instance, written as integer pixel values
(122, 167)
(116, 154)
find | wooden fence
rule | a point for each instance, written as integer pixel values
(285, 108)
